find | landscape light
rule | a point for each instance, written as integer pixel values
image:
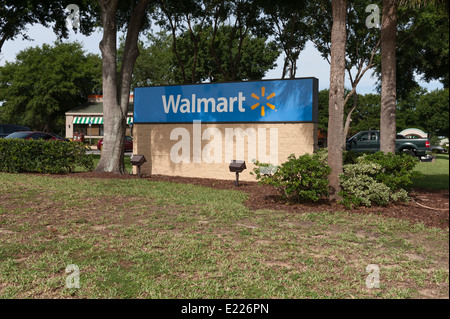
(138, 160)
(237, 167)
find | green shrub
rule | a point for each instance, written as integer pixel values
(377, 179)
(364, 190)
(322, 154)
(400, 196)
(397, 170)
(359, 187)
(348, 157)
(351, 157)
(299, 179)
(39, 156)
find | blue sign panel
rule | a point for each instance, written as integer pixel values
(293, 100)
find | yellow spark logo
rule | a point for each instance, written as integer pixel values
(263, 93)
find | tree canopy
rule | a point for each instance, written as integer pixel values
(422, 46)
(433, 112)
(421, 109)
(45, 82)
(256, 56)
(155, 64)
(16, 15)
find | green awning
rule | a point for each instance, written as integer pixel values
(94, 120)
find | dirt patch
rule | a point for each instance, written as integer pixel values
(430, 207)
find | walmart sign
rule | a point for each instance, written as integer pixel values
(239, 102)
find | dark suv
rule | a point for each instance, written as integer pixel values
(6, 129)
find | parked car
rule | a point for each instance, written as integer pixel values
(438, 149)
(30, 135)
(6, 129)
(369, 141)
(128, 144)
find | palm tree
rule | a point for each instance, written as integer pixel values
(388, 125)
(337, 95)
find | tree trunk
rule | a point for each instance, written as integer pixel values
(349, 117)
(388, 127)
(112, 158)
(285, 67)
(213, 51)
(293, 70)
(173, 27)
(336, 98)
(116, 92)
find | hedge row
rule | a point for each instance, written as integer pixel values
(39, 156)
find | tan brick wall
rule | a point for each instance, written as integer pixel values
(153, 141)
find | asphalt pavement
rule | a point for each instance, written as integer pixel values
(97, 152)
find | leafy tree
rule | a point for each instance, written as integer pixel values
(424, 110)
(426, 45)
(407, 115)
(433, 112)
(366, 115)
(362, 44)
(208, 46)
(243, 17)
(324, 99)
(112, 15)
(422, 46)
(155, 64)
(45, 82)
(257, 56)
(288, 19)
(16, 15)
(190, 16)
(389, 73)
(132, 17)
(158, 65)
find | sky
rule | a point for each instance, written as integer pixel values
(310, 63)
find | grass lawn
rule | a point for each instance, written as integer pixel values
(435, 174)
(137, 238)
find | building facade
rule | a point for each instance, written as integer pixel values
(88, 119)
